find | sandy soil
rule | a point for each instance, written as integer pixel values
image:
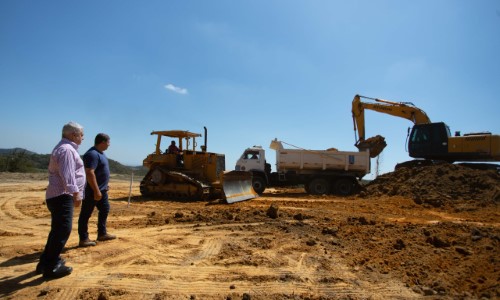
(398, 239)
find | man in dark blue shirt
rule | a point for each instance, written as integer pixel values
(96, 191)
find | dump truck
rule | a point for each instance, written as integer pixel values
(319, 171)
(190, 174)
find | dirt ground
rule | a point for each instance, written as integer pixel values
(422, 233)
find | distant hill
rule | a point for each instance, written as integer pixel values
(10, 151)
(22, 160)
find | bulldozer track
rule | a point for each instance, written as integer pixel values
(171, 186)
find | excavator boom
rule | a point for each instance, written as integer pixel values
(399, 109)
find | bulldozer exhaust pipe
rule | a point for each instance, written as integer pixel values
(204, 148)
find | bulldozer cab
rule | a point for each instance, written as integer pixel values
(198, 164)
(183, 139)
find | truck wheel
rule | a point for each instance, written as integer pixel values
(258, 184)
(319, 186)
(344, 186)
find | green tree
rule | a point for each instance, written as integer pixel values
(17, 161)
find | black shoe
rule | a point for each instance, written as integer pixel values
(106, 237)
(40, 267)
(60, 270)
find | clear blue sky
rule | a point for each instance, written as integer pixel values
(250, 71)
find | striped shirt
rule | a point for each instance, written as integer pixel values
(66, 171)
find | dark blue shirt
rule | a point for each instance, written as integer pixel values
(96, 160)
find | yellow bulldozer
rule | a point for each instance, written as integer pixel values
(189, 174)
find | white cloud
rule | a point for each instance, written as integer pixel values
(176, 89)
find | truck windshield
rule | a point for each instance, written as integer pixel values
(251, 155)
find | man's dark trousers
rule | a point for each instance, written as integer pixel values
(86, 211)
(61, 210)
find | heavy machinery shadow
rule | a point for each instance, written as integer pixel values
(125, 199)
(139, 199)
(302, 195)
(142, 199)
(285, 192)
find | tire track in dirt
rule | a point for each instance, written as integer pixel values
(64, 294)
(203, 259)
(209, 247)
(192, 266)
(11, 211)
(13, 220)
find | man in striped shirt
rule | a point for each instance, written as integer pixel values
(64, 192)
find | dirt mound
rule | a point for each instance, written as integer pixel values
(439, 185)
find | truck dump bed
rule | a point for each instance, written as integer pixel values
(324, 160)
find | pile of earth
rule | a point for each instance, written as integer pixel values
(443, 185)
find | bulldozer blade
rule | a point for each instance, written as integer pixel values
(237, 186)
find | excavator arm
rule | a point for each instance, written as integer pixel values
(399, 109)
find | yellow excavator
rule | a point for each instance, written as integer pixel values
(190, 174)
(427, 140)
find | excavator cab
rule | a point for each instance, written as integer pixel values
(430, 141)
(434, 141)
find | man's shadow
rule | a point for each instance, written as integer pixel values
(9, 285)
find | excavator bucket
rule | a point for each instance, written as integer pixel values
(237, 186)
(375, 145)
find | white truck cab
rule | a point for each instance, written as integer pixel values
(253, 158)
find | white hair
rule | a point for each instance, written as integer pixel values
(70, 128)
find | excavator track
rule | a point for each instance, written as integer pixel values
(160, 182)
